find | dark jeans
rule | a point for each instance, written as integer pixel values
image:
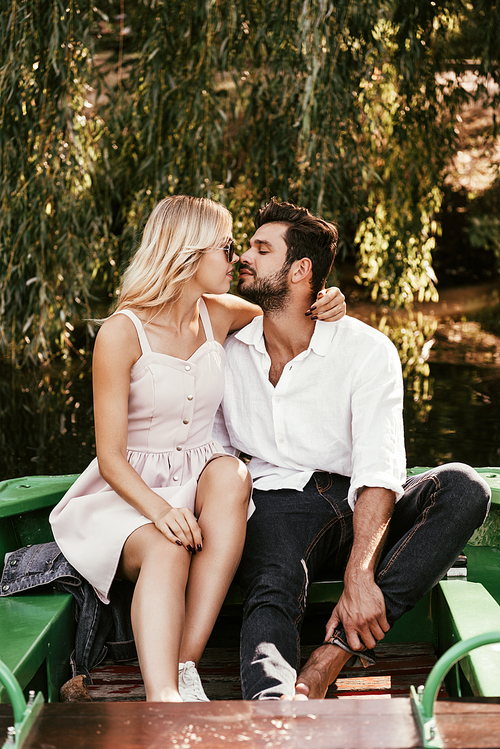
(292, 535)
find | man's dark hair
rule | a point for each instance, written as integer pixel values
(306, 236)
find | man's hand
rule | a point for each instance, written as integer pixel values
(361, 610)
(361, 607)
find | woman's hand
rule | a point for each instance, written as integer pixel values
(329, 305)
(180, 526)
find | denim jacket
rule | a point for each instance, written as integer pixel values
(102, 630)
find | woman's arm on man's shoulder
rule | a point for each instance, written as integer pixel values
(229, 312)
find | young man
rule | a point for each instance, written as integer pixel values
(319, 409)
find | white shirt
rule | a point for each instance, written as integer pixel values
(338, 407)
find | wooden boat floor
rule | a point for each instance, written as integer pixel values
(398, 666)
(318, 724)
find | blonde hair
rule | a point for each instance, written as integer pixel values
(178, 232)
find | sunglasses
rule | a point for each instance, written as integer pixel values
(230, 250)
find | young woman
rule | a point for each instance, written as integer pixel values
(162, 505)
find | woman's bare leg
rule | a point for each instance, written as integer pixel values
(221, 505)
(160, 570)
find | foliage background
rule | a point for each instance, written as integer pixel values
(348, 108)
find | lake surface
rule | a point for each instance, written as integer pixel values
(452, 398)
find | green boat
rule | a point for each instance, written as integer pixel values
(459, 619)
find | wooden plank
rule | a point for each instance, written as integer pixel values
(352, 724)
(318, 724)
(398, 666)
(464, 725)
(117, 682)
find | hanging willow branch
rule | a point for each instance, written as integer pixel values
(105, 109)
(52, 229)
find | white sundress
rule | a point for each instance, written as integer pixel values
(171, 409)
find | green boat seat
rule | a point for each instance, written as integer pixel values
(36, 628)
(467, 609)
(36, 639)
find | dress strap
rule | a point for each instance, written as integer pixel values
(143, 340)
(205, 318)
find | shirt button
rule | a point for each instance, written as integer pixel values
(175, 478)
(277, 400)
(5, 588)
(281, 439)
(13, 563)
(190, 397)
(179, 447)
(187, 367)
(185, 421)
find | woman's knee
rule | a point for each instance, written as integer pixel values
(227, 478)
(148, 547)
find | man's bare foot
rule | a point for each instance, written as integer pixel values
(324, 665)
(288, 698)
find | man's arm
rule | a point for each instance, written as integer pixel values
(221, 434)
(361, 607)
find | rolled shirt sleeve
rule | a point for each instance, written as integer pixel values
(378, 452)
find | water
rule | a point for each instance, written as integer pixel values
(457, 416)
(452, 400)
(463, 420)
(46, 420)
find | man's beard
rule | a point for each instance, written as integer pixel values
(269, 293)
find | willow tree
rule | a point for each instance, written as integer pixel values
(54, 226)
(337, 106)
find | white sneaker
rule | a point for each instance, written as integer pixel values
(190, 688)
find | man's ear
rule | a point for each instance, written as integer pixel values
(301, 270)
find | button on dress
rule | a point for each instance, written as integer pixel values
(171, 409)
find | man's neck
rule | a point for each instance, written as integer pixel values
(286, 333)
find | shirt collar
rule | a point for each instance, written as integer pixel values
(253, 335)
(322, 337)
